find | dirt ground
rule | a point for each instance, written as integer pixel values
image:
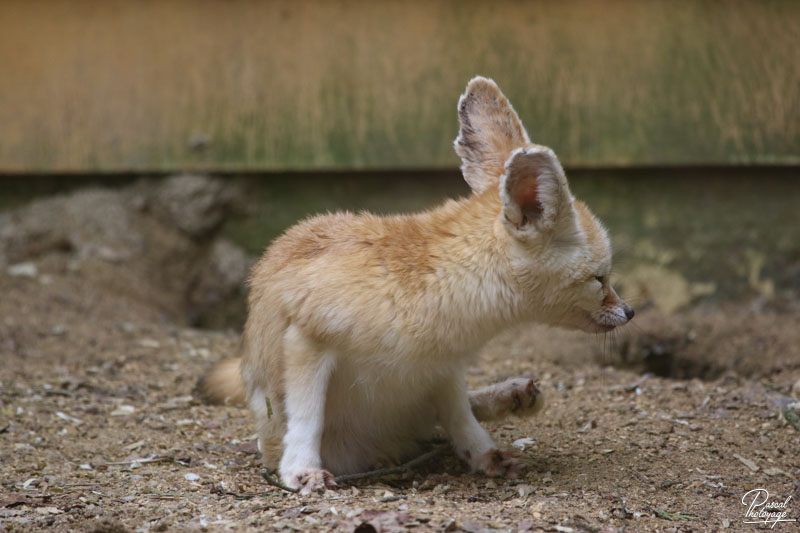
(663, 427)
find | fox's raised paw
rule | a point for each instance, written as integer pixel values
(522, 396)
(310, 480)
(497, 462)
(518, 396)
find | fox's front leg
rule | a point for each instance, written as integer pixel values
(307, 372)
(471, 442)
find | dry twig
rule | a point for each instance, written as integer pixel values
(156, 459)
(276, 483)
(347, 478)
(405, 467)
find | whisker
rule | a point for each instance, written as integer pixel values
(635, 326)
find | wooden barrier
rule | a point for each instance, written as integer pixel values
(109, 86)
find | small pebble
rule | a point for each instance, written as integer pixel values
(23, 270)
(123, 410)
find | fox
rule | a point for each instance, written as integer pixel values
(360, 327)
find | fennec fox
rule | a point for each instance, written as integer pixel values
(360, 327)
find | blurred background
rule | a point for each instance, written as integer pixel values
(678, 123)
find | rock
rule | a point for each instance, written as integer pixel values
(102, 224)
(666, 289)
(195, 204)
(22, 270)
(218, 286)
(151, 239)
(231, 263)
(123, 410)
(520, 444)
(89, 222)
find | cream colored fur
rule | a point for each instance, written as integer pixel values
(360, 327)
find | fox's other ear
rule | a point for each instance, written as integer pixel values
(490, 130)
(534, 189)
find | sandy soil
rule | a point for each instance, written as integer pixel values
(663, 427)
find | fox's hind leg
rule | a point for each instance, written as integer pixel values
(517, 396)
(306, 375)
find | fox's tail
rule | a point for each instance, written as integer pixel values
(223, 383)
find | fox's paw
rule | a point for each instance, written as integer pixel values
(521, 396)
(525, 397)
(497, 462)
(309, 480)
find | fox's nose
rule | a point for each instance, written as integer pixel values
(628, 311)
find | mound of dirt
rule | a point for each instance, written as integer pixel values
(152, 243)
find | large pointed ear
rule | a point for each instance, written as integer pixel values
(490, 131)
(534, 190)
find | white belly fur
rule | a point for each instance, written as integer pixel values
(375, 417)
